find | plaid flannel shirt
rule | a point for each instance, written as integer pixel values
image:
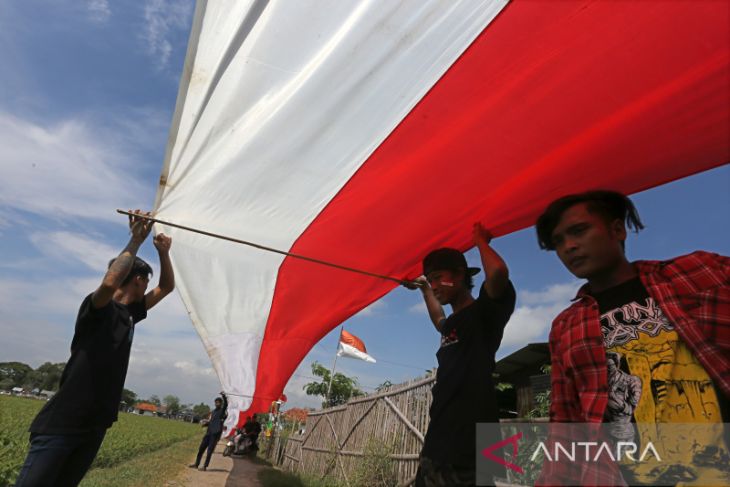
(693, 292)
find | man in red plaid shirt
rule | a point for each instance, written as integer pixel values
(643, 342)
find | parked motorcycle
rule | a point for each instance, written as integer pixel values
(240, 444)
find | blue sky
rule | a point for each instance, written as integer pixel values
(86, 98)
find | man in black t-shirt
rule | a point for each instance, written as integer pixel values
(67, 433)
(464, 392)
(213, 432)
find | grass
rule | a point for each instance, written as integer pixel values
(274, 477)
(135, 450)
(150, 469)
(277, 478)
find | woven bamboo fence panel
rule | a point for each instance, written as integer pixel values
(337, 439)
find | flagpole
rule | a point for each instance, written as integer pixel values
(332, 373)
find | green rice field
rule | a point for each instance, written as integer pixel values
(137, 450)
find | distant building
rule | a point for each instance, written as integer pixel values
(523, 369)
(145, 409)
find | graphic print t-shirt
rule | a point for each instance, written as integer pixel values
(653, 377)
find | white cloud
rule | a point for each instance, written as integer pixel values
(170, 363)
(99, 10)
(294, 390)
(418, 308)
(61, 245)
(373, 309)
(42, 297)
(192, 369)
(37, 325)
(534, 314)
(162, 17)
(533, 317)
(64, 170)
(551, 294)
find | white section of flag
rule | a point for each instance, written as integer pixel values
(345, 350)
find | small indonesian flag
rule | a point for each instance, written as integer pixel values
(351, 346)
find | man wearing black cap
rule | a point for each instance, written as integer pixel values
(464, 392)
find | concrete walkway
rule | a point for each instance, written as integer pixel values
(222, 472)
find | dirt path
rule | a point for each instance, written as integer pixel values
(222, 472)
(244, 473)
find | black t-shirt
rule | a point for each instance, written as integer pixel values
(464, 392)
(92, 381)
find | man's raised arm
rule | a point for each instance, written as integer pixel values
(497, 273)
(117, 272)
(167, 277)
(435, 310)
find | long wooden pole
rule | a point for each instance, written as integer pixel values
(332, 373)
(268, 249)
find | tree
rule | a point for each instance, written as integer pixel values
(343, 387)
(15, 372)
(385, 385)
(172, 403)
(154, 400)
(129, 397)
(201, 410)
(298, 415)
(48, 376)
(6, 384)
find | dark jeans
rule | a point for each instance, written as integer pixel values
(210, 440)
(435, 474)
(59, 459)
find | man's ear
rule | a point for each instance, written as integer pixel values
(459, 276)
(618, 230)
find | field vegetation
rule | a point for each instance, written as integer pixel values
(156, 447)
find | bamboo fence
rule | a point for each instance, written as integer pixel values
(337, 440)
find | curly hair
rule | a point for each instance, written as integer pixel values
(610, 205)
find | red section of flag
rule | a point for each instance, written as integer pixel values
(348, 338)
(552, 98)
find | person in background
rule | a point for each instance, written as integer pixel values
(464, 393)
(643, 341)
(213, 432)
(67, 433)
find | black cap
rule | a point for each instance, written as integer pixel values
(446, 259)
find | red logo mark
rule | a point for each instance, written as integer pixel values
(487, 452)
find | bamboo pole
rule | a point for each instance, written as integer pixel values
(265, 248)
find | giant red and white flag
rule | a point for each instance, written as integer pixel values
(318, 126)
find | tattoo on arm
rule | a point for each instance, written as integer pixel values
(119, 269)
(116, 274)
